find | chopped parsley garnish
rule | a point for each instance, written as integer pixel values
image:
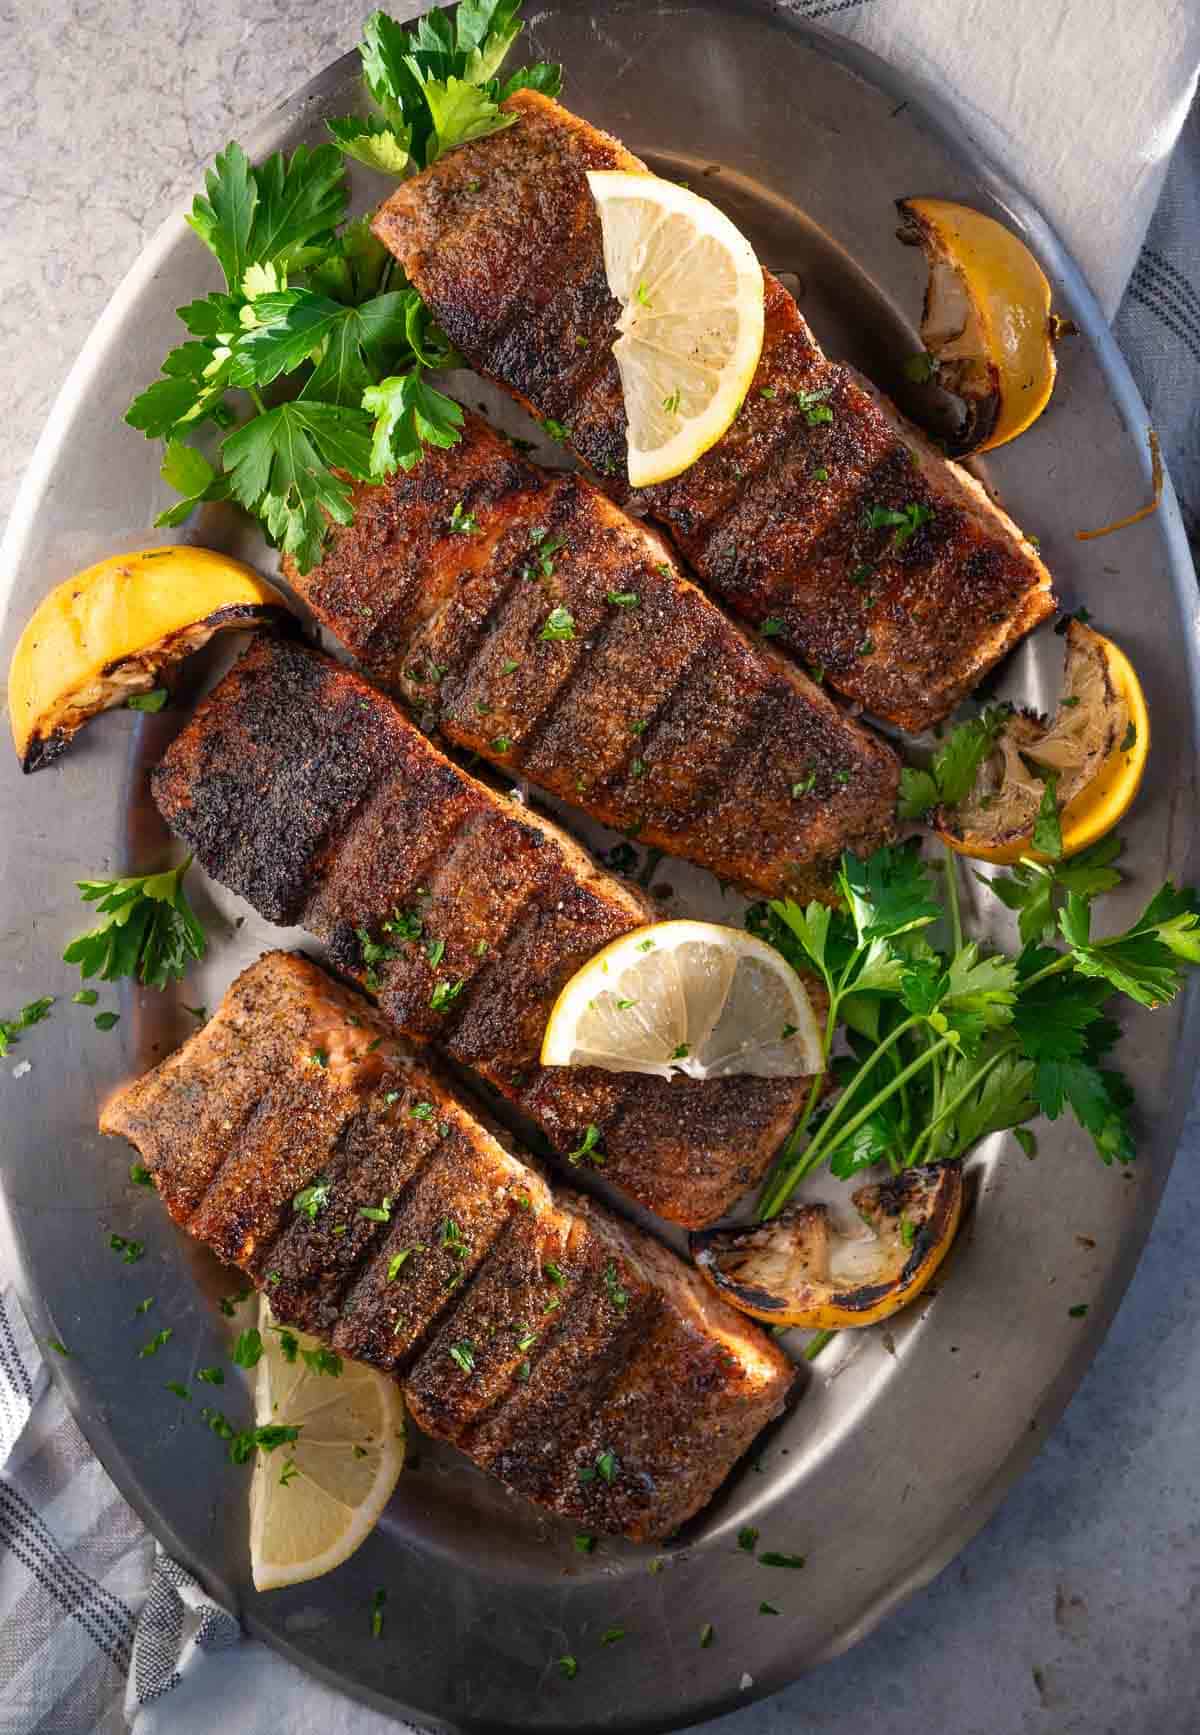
(556, 430)
(509, 666)
(57, 1345)
(805, 786)
(707, 1635)
(606, 1467)
(748, 1539)
(1129, 740)
(144, 1306)
(288, 1473)
(1078, 1311)
(404, 924)
(616, 1293)
(568, 1667)
(289, 1343)
(148, 931)
(908, 1231)
(421, 1111)
(463, 523)
(588, 1146)
(820, 474)
(623, 1004)
(906, 522)
(157, 1342)
(210, 1376)
(920, 368)
(312, 1199)
(451, 1238)
(558, 625)
(643, 295)
(247, 1351)
(318, 1058)
(680, 1052)
(130, 1251)
(464, 1355)
(767, 392)
(106, 1020)
(612, 1635)
(179, 1390)
(555, 1273)
(377, 1602)
(398, 1260)
(865, 647)
(770, 628)
(526, 1341)
(381, 1213)
(445, 994)
(767, 1608)
(85, 997)
(770, 1558)
(584, 1544)
(152, 701)
(322, 1360)
(638, 728)
(624, 598)
(813, 404)
(502, 743)
(228, 1303)
(671, 402)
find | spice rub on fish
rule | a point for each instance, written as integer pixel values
(554, 635)
(581, 1342)
(821, 510)
(311, 794)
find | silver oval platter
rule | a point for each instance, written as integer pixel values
(902, 1442)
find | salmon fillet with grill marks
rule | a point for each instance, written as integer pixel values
(785, 517)
(589, 1341)
(311, 794)
(650, 709)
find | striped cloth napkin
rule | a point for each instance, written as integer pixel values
(98, 1628)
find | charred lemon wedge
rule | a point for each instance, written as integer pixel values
(986, 324)
(804, 1268)
(109, 632)
(1096, 746)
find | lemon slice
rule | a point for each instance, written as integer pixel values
(689, 997)
(107, 633)
(691, 324)
(314, 1500)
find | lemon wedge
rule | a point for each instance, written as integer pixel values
(108, 633)
(313, 1501)
(1096, 745)
(688, 997)
(986, 324)
(691, 324)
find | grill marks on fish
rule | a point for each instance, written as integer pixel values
(577, 1336)
(310, 794)
(652, 711)
(774, 517)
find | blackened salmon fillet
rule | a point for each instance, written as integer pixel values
(550, 633)
(312, 795)
(571, 1355)
(821, 511)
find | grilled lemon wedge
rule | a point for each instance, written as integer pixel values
(691, 324)
(689, 997)
(313, 1502)
(1096, 745)
(986, 324)
(109, 632)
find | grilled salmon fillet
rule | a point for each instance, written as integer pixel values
(590, 1343)
(787, 516)
(310, 794)
(555, 636)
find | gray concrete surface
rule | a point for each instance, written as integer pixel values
(1077, 1611)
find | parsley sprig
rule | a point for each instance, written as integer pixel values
(948, 1045)
(149, 929)
(436, 86)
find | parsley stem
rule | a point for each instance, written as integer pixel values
(951, 869)
(780, 1190)
(816, 1344)
(256, 397)
(956, 1101)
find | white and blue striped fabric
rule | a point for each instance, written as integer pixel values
(98, 1629)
